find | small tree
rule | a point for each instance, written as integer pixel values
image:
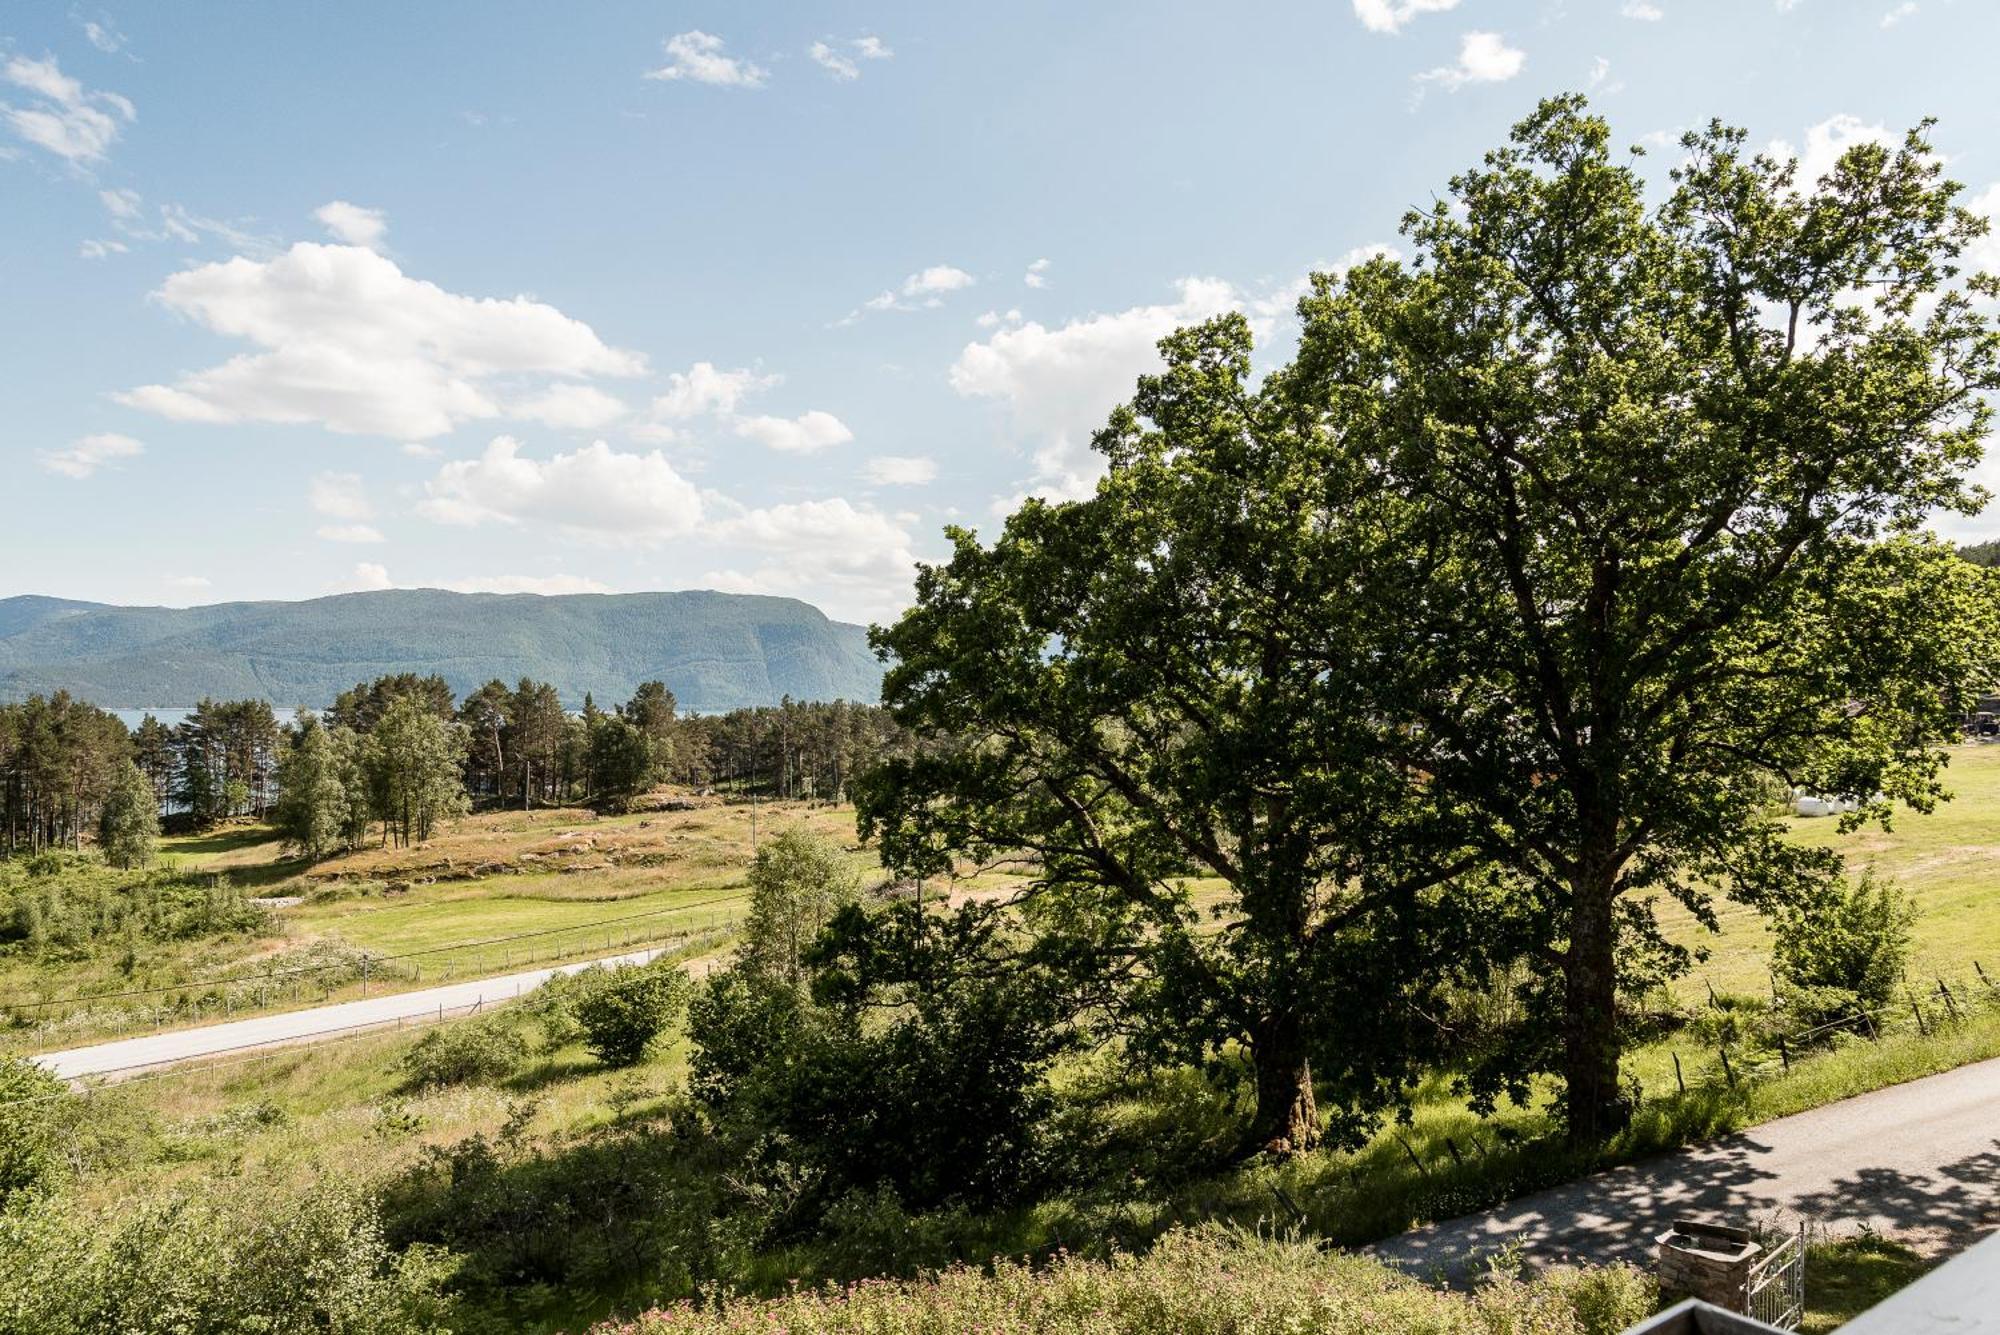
(631, 1006)
(313, 808)
(130, 826)
(415, 763)
(620, 758)
(797, 884)
(36, 1110)
(1845, 950)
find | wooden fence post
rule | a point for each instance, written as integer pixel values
(1729, 1072)
(1678, 1078)
(1922, 1027)
(1949, 1005)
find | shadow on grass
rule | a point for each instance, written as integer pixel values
(1847, 1276)
(224, 839)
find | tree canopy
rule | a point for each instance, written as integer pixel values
(1453, 646)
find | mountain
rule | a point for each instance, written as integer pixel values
(715, 651)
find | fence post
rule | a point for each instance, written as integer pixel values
(1678, 1078)
(1982, 974)
(1412, 1153)
(1922, 1027)
(1950, 1006)
(1729, 1072)
(1452, 1145)
(1783, 1055)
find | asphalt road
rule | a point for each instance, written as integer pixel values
(127, 1056)
(1921, 1160)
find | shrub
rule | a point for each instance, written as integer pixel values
(36, 1112)
(628, 1007)
(465, 1052)
(226, 1255)
(1845, 951)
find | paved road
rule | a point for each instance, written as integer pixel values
(130, 1055)
(1921, 1159)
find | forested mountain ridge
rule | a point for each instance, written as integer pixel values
(715, 651)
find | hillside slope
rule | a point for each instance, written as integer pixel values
(714, 650)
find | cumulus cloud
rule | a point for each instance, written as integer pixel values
(104, 36)
(697, 57)
(63, 117)
(1037, 275)
(351, 224)
(846, 67)
(120, 204)
(1826, 141)
(922, 289)
(1059, 383)
(1642, 11)
(85, 455)
(1899, 13)
(352, 343)
(852, 561)
(97, 249)
(898, 470)
(1483, 57)
(705, 389)
(1390, 15)
(803, 434)
(595, 491)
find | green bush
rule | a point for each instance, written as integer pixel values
(625, 1009)
(63, 906)
(222, 1256)
(1845, 951)
(465, 1052)
(1207, 1281)
(36, 1113)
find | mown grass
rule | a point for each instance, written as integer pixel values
(1847, 1276)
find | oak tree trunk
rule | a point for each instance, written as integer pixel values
(1595, 1102)
(1287, 1118)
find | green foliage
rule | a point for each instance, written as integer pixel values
(1193, 1282)
(412, 760)
(625, 1009)
(920, 1067)
(480, 1051)
(37, 1112)
(621, 758)
(322, 789)
(65, 906)
(797, 885)
(225, 1256)
(1844, 951)
(717, 651)
(128, 830)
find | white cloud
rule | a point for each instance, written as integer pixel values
(595, 491)
(546, 585)
(803, 434)
(97, 250)
(1059, 384)
(1826, 141)
(1483, 57)
(1899, 13)
(104, 36)
(845, 67)
(570, 407)
(852, 562)
(992, 319)
(188, 583)
(352, 343)
(367, 577)
(65, 118)
(349, 533)
(351, 224)
(697, 56)
(1391, 15)
(120, 203)
(839, 66)
(85, 455)
(704, 389)
(924, 288)
(339, 496)
(1037, 275)
(418, 450)
(897, 470)
(1600, 74)
(1642, 11)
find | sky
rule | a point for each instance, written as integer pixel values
(519, 297)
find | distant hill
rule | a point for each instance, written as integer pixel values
(715, 651)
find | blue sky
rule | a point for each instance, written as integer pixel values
(304, 299)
